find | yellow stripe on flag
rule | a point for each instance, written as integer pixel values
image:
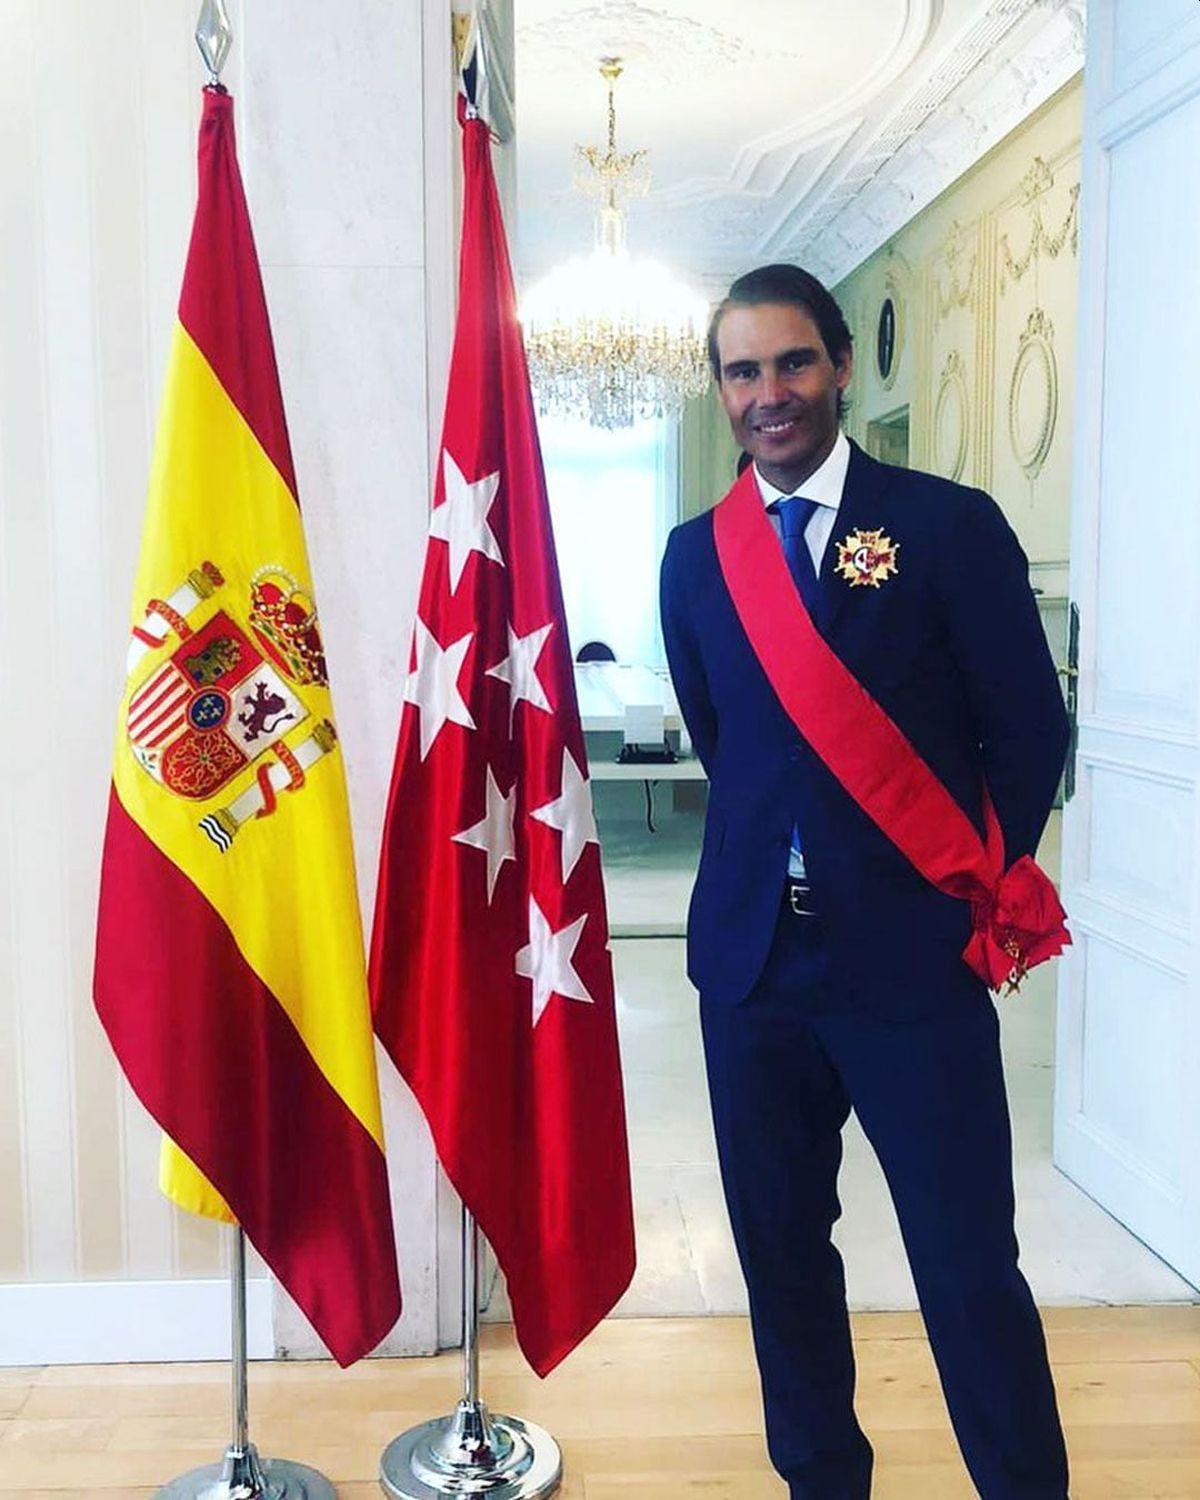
(216, 497)
(185, 1184)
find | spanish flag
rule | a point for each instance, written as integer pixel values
(230, 974)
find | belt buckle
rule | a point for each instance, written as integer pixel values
(796, 898)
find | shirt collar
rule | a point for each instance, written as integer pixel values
(824, 485)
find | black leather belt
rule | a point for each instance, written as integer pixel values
(797, 895)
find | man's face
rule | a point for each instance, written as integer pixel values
(779, 388)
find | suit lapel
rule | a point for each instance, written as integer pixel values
(866, 480)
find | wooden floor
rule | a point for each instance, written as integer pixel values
(652, 1409)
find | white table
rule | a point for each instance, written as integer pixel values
(686, 768)
(607, 688)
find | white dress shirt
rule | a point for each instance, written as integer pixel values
(825, 486)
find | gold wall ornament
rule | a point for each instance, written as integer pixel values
(950, 418)
(955, 292)
(1033, 395)
(1036, 183)
(611, 338)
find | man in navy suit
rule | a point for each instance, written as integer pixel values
(831, 972)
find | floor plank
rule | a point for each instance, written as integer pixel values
(652, 1408)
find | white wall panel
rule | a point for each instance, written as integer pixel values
(33, 664)
(1141, 850)
(1131, 1020)
(1126, 1109)
(1143, 32)
(1150, 492)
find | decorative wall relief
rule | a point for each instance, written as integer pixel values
(988, 375)
(952, 288)
(951, 419)
(1036, 183)
(1033, 395)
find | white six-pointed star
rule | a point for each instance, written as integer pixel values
(494, 831)
(571, 813)
(461, 519)
(433, 684)
(519, 670)
(546, 960)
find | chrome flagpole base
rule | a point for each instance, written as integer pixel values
(471, 1453)
(242, 1475)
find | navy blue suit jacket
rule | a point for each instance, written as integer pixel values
(952, 647)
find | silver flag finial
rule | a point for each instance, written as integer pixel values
(214, 37)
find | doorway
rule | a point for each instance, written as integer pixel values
(887, 438)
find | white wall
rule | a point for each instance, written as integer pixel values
(97, 143)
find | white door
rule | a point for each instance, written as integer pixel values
(1127, 1097)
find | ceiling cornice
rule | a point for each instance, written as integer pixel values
(954, 115)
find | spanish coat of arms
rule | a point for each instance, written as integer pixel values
(227, 695)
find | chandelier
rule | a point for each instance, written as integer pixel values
(608, 337)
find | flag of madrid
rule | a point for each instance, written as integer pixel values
(491, 977)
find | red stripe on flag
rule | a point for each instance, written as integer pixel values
(173, 711)
(165, 675)
(142, 714)
(222, 305)
(165, 680)
(215, 1059)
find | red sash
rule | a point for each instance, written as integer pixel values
(1017, 920)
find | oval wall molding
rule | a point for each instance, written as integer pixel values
(1033, 395)
(950, 428)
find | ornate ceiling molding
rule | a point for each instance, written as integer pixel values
(957, 112)
(832, 187)
(676, 46)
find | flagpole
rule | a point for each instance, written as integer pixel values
(241, 1474)
(471, 1451)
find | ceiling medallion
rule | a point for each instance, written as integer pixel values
(611, 339)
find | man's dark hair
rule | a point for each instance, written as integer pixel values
(790, 287)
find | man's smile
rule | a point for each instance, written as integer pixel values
(775, 426)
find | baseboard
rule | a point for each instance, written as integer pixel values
(121, 1322)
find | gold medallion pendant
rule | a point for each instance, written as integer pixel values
(867, 557)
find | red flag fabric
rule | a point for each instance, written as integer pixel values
(490, 973)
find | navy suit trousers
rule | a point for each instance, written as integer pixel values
(785, 1067)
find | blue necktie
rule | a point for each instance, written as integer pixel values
(794, 515)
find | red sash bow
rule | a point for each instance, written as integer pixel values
(1017, 920)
